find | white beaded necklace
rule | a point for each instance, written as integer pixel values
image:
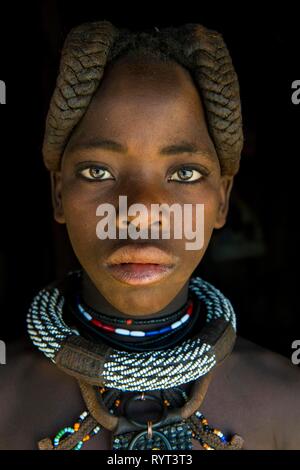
(135, 371)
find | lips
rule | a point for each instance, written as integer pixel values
(140, 265)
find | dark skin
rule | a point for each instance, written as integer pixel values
(154, 111)
(254, 392)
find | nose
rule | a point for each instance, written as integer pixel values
(142, 215)
(141, 207)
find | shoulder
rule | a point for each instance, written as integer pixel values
(262, 363)
(19, 356)
(20, 360)
(25, 367)
(272, 382)
(32, 389)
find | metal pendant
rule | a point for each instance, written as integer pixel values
(169, 432)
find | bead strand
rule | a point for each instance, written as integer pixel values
(207, 433)
(137, 333)
(135, 371)
(71, 430)
(130, 321)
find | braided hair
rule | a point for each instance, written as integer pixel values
(90, 47)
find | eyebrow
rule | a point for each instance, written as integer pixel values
(181, 147)
(111, 145)
(104, 144)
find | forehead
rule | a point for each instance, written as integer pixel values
(144, 101)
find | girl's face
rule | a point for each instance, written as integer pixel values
(144, 135)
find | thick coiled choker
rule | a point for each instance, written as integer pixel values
(100, 364)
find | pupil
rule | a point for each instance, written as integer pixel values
(185, 174)
(96, 172)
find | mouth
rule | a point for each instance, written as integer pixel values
(138, 265)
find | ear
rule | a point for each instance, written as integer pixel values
(56, 185)
(225, 190)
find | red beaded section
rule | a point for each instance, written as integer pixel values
(129, 321)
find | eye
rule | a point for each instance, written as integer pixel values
(96, 173)
(186, 175)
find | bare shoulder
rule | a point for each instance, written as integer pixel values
(20, 360)
(272, 383)
(26, 369)
(274, 368)
(32, 388)
(20, 356)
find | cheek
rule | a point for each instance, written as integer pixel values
(81, 220)
(203, 222)
(209, 198)
(210, 217)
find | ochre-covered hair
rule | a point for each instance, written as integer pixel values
(89, 47)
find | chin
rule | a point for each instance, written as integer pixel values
(138, 300)
(139, 303)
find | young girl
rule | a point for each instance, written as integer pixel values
(133, 351)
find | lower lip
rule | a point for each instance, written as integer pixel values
(139, 274)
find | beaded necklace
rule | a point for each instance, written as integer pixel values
(117, 371)
(186, 362)
(128, 342)
(198, 428)
(136, 333)
(110, 320)
(71, 430)
(72, 316)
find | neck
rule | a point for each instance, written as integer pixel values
(95, 299)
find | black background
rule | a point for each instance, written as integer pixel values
(254, 260)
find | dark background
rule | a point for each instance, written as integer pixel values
(254, 259)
